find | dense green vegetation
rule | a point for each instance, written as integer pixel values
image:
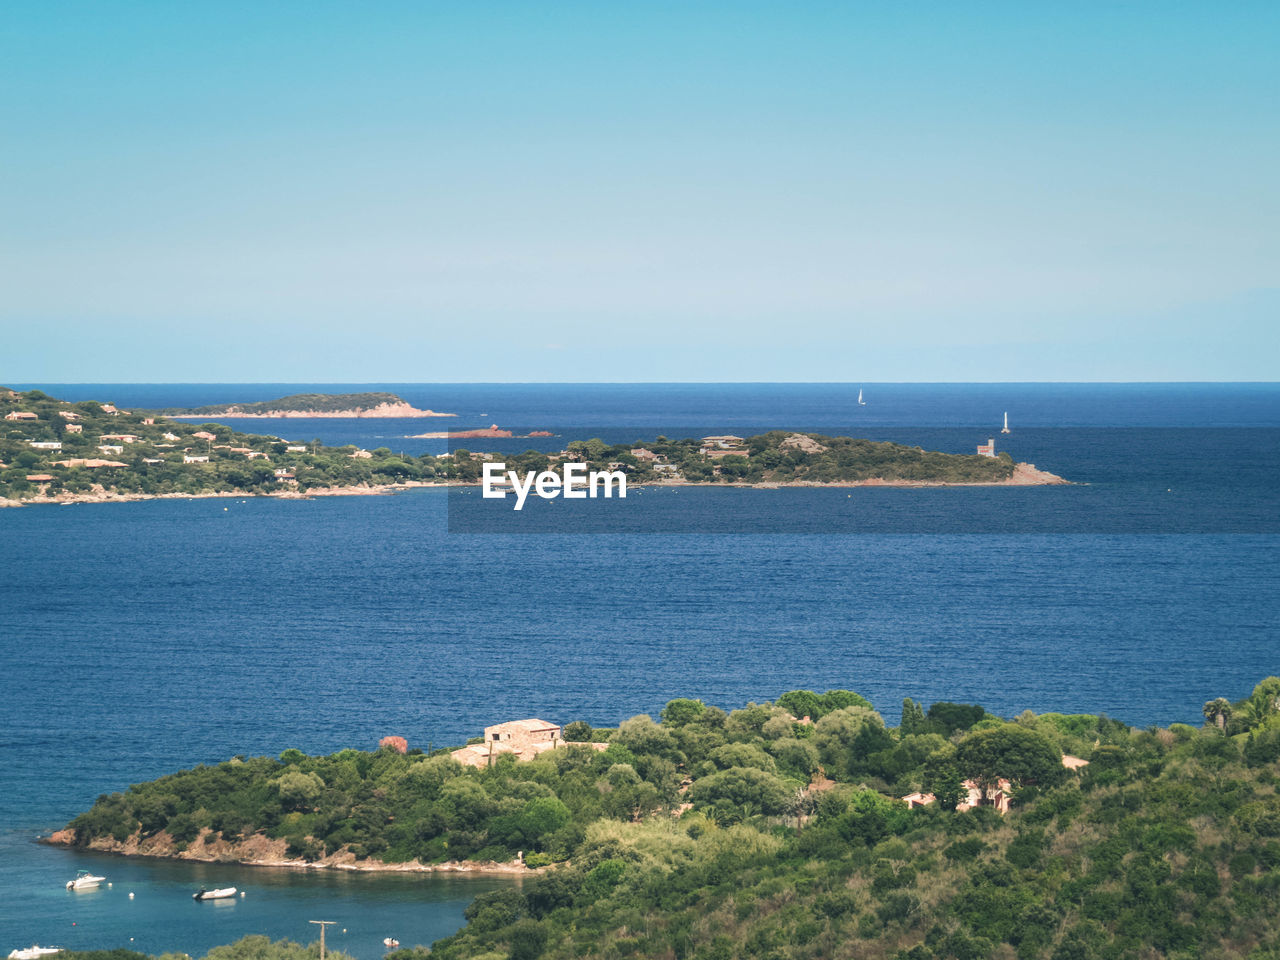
(169, 457)
(713, 835)
(294, 403)
(782, 457)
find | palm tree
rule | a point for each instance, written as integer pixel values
(1217, 711)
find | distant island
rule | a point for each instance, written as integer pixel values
(311, 406)
(805, 827)
(493, 430)
(54, 451)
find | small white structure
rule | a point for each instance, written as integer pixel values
(45, 444)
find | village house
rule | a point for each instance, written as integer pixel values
(666, 470)
(149, 421)
(284, 474)
(111, 448)
(74, 428)
(111, 409)
(171, 436)
(39, 477)
(203, 435)
(122, 437)
(523, 739)
(642, 453)
(715, 453)
(296, 448)
(69, 415)
(191, 458)
(361, 455)
(45, 444)
(21, 415)
(153, 460)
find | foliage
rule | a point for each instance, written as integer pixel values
(693, 837)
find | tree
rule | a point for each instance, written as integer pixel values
(1218, 711)
(912, 717)
(298, 790)
(951, 717)
(679, 712)
(755, 790)
(1013, 753)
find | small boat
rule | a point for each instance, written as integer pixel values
(1006, 422)
(861, 402)
(33, 952)
(390, 942)
(84, 881)
(220, 894)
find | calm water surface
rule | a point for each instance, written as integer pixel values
(141, 638)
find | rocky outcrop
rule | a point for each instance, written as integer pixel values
(1026, 475)
(798, 441)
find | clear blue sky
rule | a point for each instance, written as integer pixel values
(608, 191)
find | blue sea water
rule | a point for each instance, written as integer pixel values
(145, 637)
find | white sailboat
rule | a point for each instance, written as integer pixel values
(861, 402)
(1006, 422)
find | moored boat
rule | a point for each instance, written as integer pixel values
(84, 880)
(33, 952)
(390, 942)
(220, 894)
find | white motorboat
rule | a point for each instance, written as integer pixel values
(390, 942)
(220, 894)
(84, 881)
(33, 952)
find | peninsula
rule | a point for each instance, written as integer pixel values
(53, 451)
(311, 406)
(493, 430)
(806, 827)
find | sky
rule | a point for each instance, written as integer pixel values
(554, 191)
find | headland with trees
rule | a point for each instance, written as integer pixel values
(753, 833)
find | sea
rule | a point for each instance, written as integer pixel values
(141, 638)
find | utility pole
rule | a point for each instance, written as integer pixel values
(322, 924)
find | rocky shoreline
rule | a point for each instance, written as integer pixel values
(259, 850)
(107, 496)
(1024, 475)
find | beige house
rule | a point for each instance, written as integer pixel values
(21, 415)
(524, 739)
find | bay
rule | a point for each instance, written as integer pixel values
(145, 637)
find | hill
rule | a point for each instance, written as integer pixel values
(753, 834)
